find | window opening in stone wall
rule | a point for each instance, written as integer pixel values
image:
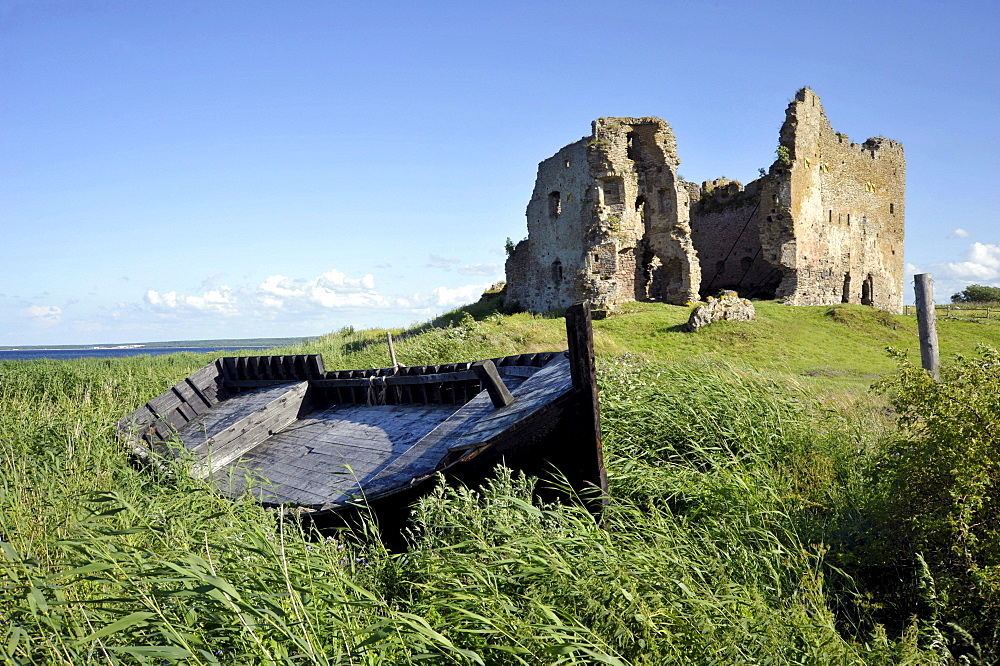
(632, 146)
(567, 164)
(557, 271)
(845, 296)
(892, 209)
(831, 216)
(555, 204)
(868, 291)
(848, 219)
(640, 201)
(612, 193)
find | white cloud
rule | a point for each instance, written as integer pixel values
(443, 297)
(279, 295)
(980, 265)
(959, 233)
(982, 262)
(44, 315)
(215, 301)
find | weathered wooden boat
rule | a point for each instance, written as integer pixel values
(328, 442)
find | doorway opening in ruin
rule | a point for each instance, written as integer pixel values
(557, 271)
(668, 281)
(645, 269)
(555, 204)
(765, 287)
(868, 291)
(845, 296)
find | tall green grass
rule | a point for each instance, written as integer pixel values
(727, 485)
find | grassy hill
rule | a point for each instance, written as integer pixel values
(766, 507)
(829, 346)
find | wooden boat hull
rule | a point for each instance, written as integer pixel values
(292, 434)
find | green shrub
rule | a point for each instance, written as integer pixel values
(941, 487)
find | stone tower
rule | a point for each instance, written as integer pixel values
(824, 226)
(608, 222)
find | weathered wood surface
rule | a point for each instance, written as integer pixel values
(294, 433)
(470, 427)
(390, 380)
(158, 419)
(346, 452)
(328, 455)
(223, 435)
(927, 324)
(580, 335)
(490, 380)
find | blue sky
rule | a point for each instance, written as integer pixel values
(192, 170)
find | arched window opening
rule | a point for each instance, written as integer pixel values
(640, 201)
(557, 271)
(846, 295)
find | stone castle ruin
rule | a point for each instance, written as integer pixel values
(611, 221)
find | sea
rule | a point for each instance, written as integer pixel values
(61, 354)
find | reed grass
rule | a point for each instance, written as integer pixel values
(726, 483)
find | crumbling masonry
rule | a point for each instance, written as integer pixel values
(610, 221)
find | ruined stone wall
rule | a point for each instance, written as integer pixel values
(608, 222)
(726, 234)
(836, 221)
(546, 271)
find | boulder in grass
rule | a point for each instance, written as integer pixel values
(728, 305)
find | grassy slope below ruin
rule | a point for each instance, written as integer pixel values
(832, 346)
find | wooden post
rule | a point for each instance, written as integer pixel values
(927, 324)
(392, 350)
(583, 370)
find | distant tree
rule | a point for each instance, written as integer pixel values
(977, 293)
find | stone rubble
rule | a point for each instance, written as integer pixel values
(728, 306)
